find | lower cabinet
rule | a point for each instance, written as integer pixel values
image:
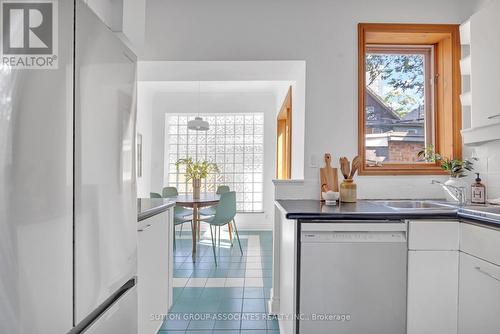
(432, 292)
(433, 260)
(479, 309)
(154, 271)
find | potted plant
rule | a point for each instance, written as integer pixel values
(196, 171)
(456, 168)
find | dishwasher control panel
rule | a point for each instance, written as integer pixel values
(355, 236)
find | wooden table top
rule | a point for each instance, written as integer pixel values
(205, 199)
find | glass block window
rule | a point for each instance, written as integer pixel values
(235, 142)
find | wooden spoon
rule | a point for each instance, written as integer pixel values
(344, 167)
(355, 166)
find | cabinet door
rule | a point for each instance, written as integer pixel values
(153, 272)
(479, 308)
(485, 47)
(432, 292)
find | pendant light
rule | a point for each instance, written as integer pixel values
(198, 124)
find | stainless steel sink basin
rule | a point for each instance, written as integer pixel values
(414, 205)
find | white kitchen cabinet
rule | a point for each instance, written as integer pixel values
(485, 67)
(432, 292)
(479, 310)
(480, 241)
(433, 235)
(479, 296)
(433, 261)
(154, 270)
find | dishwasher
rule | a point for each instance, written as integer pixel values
(352, 277)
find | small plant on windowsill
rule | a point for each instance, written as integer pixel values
(456, 168)
(196, 171)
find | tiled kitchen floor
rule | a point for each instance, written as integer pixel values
(231, 298)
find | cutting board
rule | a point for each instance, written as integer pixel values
(328, 177)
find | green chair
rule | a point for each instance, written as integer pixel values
(181, 214)
(225, 211)
(210, 211)
(168, 192)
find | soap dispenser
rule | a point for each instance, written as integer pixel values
(478, 191)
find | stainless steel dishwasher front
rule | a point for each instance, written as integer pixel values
(353, 277)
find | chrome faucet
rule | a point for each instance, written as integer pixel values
(457, 193)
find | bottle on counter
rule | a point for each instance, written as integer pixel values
(478, 195)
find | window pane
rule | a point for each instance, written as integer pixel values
(398, 116)
(234, 142)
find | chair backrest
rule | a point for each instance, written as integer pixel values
(222, 189)
(226, 208)
(170, 192)
(154, 195)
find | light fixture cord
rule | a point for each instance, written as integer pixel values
(199, 98)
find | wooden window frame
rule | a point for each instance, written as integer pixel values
(446, 93)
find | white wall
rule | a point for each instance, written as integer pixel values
(489, 166)
(151, 121)
(321, 32)
(145, 128)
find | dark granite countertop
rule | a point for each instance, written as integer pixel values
(149, 207)
(376, 210)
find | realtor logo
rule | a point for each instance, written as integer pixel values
(29, 34)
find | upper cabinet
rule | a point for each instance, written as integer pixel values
(125, 17)
(482, 33)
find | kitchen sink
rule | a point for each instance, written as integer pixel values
(414, 205)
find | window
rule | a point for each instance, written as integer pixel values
(409, 86)
(234, 141)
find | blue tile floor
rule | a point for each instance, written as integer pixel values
(230, 298)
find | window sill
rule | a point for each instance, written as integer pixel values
(401, 170)
(249, 213)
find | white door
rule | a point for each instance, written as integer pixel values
(36, 190)
(485, 47)
(105, 193)
(479, 298)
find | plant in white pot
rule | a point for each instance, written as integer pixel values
(196, 171)
(456, 168)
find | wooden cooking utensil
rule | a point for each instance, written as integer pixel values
(345, 167)
(355, 166)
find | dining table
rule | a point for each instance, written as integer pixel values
(188, 201)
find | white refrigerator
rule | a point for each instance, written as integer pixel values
(68, 240)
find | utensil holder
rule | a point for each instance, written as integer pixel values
(348, 191)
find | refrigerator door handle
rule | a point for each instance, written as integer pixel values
(145, 228)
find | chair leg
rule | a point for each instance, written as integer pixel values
(218, 244)
(174, 238)
(213, 244)
(230, 231)
(199, 231)
(237, 236)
